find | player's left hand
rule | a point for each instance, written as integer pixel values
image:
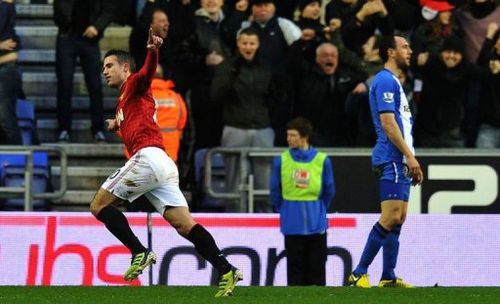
(154, 42)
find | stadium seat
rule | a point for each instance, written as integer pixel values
(26, 120)
(12, 168)
(207, 203)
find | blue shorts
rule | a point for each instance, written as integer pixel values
(394, 182)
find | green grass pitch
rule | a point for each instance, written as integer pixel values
(267, 295)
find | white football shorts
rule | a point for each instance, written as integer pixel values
(152, 173)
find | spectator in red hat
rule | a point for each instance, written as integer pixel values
(430, 35)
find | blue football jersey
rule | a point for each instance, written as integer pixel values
(387, 95)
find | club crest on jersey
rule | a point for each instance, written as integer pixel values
(301, 178)
(388, 97)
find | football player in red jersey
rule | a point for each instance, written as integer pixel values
(150, 171)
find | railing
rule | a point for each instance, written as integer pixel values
(10, 192)
(245, 191)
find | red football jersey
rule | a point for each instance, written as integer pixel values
(136, 108)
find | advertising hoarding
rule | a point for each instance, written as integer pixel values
(75, 249)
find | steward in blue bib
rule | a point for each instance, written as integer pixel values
(306, 187)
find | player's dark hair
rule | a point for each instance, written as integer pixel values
(122, 57)
(302, 125)
(385, 43)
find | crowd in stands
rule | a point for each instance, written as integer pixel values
(321, 57)
(313, 60)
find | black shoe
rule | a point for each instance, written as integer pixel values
(63, 137)
(99, 137)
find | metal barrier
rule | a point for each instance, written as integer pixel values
(245, 191)
(10, 192)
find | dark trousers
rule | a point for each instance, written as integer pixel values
(10, 134)
(68, 49)
(306, 258)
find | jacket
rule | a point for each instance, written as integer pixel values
(247, 93)
(171, 114)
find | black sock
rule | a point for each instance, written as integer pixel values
(118, 225)
(206, 247)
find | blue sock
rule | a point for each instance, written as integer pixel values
(376, 239)
(390, 251)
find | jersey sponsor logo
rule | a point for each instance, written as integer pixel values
(388, 97)
(301, 178)
(119, 116)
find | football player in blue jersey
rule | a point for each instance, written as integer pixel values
(393, 161)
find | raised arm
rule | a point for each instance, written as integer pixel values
(146, 73)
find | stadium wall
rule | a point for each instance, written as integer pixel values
(455, 182)
(75, 249)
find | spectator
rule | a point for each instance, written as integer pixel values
(276, 34)
(10, 134)
(156, 19)
(247, 93)
(441, 110)
(302, 187)
(314, 33)
(357, 105)
(310, 19)
(200, 54)
(360, 19)
(81, 25)
(372, 63)
(320, 94)
(473, 19)
(438, 26)
(313, 30)
(181, 17)
(489, 57)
